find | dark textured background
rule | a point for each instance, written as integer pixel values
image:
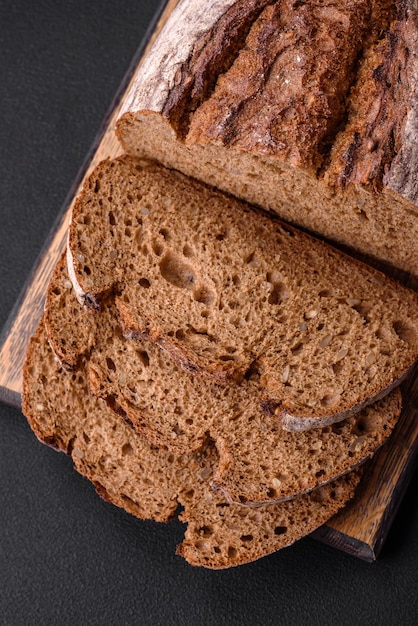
(66, 557)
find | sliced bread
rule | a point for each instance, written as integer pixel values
(151, 483)
(227, 290)
(258, 461)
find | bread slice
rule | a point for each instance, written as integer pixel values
(227, 290)
(151, 483)
(307, 109)
(258, 461)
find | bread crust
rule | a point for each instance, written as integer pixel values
(334, 153)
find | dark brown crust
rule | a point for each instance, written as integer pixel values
(212, 55)
(378, 111)
(325, 86)
(402, 175)
(286, 94)
(298, 423)
(52, 440)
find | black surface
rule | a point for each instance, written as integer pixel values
(66, 557)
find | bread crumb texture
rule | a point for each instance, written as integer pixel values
(227, 291)
(152, 483)
(257, 460)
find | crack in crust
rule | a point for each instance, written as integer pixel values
(364, 152)
(212, 55)
(285, 95)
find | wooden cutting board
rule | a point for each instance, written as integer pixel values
(361, 528)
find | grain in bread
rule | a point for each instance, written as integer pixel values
(226, 290)
(257, 460)
(151, 483)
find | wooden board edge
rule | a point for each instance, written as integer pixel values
(12, 396)
(345, 543)
(391, 469)
(370, 550)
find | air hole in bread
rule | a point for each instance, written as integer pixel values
(110, 364)
(112, 219)
(297, 348)
(251, 259)
(87, 270)
(363, 309)
(86, 438)
(157, 248)
(363, 217)
(276, 287)
(187, 251)
(226, 357)
(165, 234)
(405, 331)
(326, 293)
(206, 531)
(145, 283)
(247, 538)
(204, 295)
(127, 449)
(144, 357)
(337, 368)
(128, 232)
(318, 495)
(280, 530)
(176, 272)
(287, 231)
(236, 280)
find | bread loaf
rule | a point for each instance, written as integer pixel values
(307, 109)
(258, 461)
(227, 292)
(151, 483)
